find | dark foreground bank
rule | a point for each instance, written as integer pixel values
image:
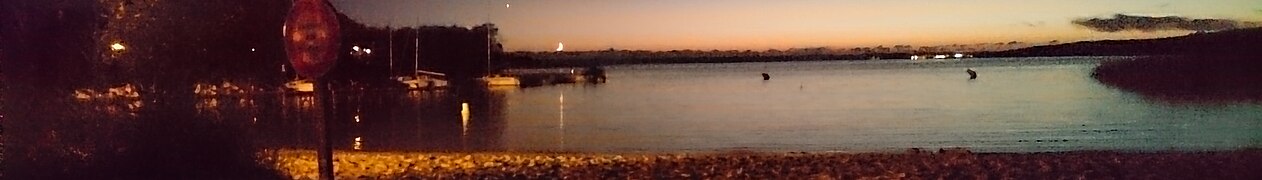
(950, 164)
(1188, 78)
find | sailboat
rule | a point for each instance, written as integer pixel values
(424, 80)
(421, 79)
(496, 79)
(501, 80)
(298, 85)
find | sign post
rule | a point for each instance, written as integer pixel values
(312, 37)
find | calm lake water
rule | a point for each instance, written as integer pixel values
(1016, 105)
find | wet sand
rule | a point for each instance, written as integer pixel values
(913, 164)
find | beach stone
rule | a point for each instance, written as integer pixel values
(946, 164)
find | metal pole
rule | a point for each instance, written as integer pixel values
(391, 51)
(325, 153)
(416, 53)
(488, 49)
(488, 37)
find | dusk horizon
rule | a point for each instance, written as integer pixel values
(630, 89)
(757, 25)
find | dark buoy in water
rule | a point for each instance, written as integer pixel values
(766, 77)
(971, 74)
(595, 75)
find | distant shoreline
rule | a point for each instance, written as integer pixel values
(589, 63)
(1236, 41)
(598, 62)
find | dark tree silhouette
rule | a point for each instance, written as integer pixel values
(53, 47)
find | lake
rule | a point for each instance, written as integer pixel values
(1015, 105)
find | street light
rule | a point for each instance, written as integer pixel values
(118, 46)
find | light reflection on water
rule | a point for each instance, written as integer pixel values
(1049, 104)
(1016, 105)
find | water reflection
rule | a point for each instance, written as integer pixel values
(420, 120)
(207, 105)
(67, 132)
(124, 91)
(562, 109)
(119, 101)
(561, 119)
(358, 144)
(122, 131)
(1021, 105)
(464, 119)
(1018, 106)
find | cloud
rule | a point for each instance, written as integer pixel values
(1122, 22)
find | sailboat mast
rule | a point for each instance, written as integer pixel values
(391, 36)
(488, 37)
(416, 54)
(488, 48)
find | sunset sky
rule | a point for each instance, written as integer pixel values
(537, 25)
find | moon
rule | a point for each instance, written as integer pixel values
(560, 47)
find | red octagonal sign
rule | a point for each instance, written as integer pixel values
(312, 37)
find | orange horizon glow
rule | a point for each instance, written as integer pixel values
(762, 25)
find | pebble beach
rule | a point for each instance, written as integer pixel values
(912, 164)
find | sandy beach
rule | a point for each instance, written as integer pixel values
(912, 164)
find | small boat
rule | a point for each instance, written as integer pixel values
(496, 79)
(424, 80)
(594, 75)
(300, 86)
(501, 80)
(421, 79)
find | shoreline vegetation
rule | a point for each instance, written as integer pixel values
(912, 164)
(1187, 78)
(1219, 67)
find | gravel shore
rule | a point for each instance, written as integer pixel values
(913, 164)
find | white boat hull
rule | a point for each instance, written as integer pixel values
(501, 81)
(424, 83)
(300, 86)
